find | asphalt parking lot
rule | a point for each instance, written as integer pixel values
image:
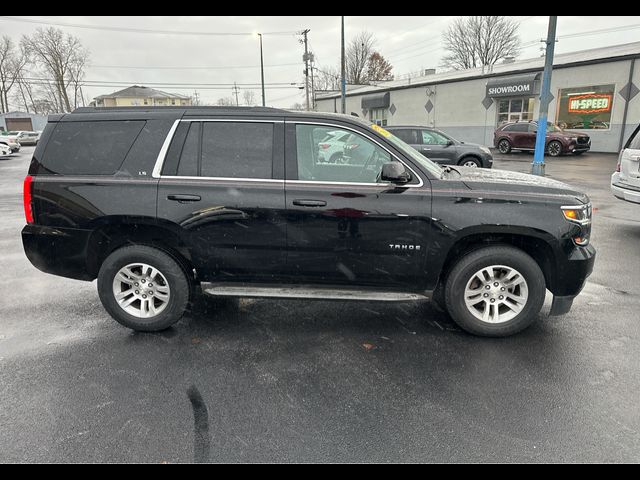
(271, 380)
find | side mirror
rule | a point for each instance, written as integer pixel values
(395, 172)
(449, 143)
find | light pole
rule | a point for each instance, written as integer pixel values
(537, 167)
(343, 82)
(262, 69)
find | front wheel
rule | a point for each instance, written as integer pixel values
(554, 149)
(495, 291)
(470, 162)
(143, 288)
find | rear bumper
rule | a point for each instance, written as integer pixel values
(58, 251)
(623, 193)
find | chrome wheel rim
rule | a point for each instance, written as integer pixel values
(554, 149)
(503, 146)
(141, 290)
(470, 163)
(496, 294)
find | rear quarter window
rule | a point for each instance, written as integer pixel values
(634, 141)
(90, 148)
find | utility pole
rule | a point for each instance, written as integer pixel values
(306, 65)
(538, 166)
(343, 81)
(313, 91)
(235, 91)
(196, 98)
(262, 70)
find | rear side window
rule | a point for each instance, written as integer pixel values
(90, 148)
(237, 150)
(407, 135)
(516, 127)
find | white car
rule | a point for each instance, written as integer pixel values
(24, 137)
(11, 142)
(4, 150)
(625, 181)
(331, 147)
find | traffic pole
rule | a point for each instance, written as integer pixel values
(538, 166)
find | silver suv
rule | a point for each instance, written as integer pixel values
(625, 181)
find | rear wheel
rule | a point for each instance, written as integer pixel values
(504, 146)
(554, 149)
(143, 288)
(472, 162)
(495, 291)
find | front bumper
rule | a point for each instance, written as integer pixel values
(572, 275)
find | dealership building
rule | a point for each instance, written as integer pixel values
(594, 92)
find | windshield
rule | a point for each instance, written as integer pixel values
(410, 152)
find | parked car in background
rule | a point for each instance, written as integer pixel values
(331, 147)
(25, 137)
(156, 201)
(522, 136)
(4, 150)
(439, 147)
(11, 142)
(625, 181)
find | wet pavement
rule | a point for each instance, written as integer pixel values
(300, 381)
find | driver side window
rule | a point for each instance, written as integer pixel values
(330, 154)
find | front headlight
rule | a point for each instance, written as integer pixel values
(485, 150)
(573, 139)
(580, 215)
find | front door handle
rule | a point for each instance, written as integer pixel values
(309, 203)
(184, 198)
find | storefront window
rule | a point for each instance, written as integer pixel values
(515, 110)
(585, 107)
(378, 116)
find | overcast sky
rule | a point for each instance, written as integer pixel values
(409, 43)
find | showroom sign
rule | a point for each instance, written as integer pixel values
(590, 103)
(516, 86)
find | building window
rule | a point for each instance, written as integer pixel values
(586, 107)
(515, 110)
(378, 116)
(173, 101)
(146, 102)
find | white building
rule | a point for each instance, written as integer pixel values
(595, 91)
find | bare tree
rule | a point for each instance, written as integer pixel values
(63, 58)
(357, 57)
(480, 41)
(226, 101)
(249, 97)
(12, 63)
(378, 68)
(326, 78)
(298, 106)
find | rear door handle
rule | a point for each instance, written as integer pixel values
(184, 198)
(309, 203)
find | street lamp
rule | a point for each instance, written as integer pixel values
(261, 69)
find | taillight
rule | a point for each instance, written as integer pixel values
(27, 197)
(324, 146)
(619, 161)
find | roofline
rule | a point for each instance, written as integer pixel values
(487, 76)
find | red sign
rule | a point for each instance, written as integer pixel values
(590, 103)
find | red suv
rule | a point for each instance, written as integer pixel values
(522, 136)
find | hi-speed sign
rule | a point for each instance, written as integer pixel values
(590, 103)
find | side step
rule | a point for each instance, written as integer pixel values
(308, 292)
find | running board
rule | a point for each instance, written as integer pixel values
(308, 292)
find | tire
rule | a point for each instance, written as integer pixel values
(554, 148)
(472, 162)
(171, 282)
(514, 319)
(335, 158)
(504, 146)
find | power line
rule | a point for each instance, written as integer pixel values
(203, 67)
(228, 84)
(135, 30)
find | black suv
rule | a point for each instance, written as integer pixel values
(154, 202)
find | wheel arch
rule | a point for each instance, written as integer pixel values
(537, 244)
(117, 231)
